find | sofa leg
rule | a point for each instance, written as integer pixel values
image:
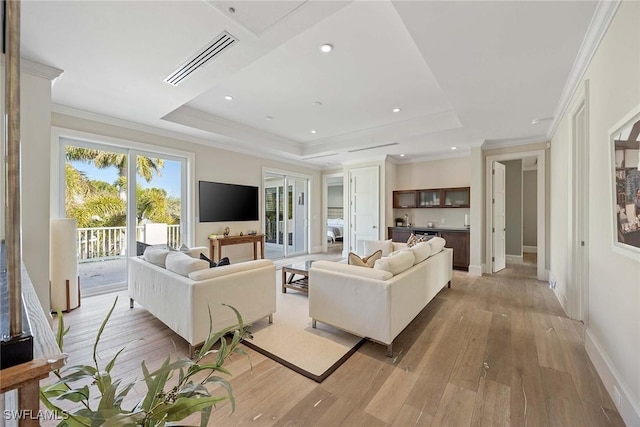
(390, 350)
(449, 285)
(313, 323)
(130, 302)
(270, 317)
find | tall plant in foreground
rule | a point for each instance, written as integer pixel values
(174, 391)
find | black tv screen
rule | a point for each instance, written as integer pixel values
(227, 202)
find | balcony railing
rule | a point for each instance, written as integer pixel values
(101, 243)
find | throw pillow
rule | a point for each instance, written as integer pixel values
(370, 246)
(183, 264)
(437, 244)
(206, 258)
(212, 264)
(414, 240)
(396, 262)
(367, 261)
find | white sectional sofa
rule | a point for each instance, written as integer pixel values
(378, 303)
(181, 298)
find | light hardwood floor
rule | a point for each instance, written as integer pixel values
(492, 350)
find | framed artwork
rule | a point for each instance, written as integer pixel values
(625, 161)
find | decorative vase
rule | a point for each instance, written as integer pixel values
(226, 232)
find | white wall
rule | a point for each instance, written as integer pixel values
(442, 173)
(36, 136)
(513, 207)
(613, 331)
(335, 196)
(35, 94)
(214, 164)
(529, 208)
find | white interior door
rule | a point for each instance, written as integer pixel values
(363, 203)
(578, 291)
(498, 217)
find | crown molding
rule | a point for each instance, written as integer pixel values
(602, 17)
(488, 145)
(433, 157)
(36, 69)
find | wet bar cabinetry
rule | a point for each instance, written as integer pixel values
(457, 239)
(457, 197)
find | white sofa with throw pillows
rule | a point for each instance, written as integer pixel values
(379, 301)
(179, 288)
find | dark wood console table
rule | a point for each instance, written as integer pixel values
(216, 244)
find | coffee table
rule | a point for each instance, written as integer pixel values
(300, 284)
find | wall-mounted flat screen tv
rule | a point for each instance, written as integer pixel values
(227, 202)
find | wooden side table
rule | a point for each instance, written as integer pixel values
(216, 244)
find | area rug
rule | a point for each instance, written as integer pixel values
(291, 341)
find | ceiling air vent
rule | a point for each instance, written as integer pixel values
(218, 45)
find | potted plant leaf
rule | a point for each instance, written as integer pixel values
(174, 391)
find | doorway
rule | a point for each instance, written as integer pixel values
(364, 200)
(334, 213)
(123, 200)
(539, 155)
(285, 213)
(577, 289)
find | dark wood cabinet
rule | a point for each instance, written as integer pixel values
(459, 242)
(404, 199)
(399, 234)
(457, 239)
(456, 197)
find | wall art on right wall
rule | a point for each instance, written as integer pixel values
(625, 156)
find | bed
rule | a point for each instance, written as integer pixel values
(335, 227)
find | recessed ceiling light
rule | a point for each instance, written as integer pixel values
(326, 48)
(313, 131)
(454, 148)
(228, 98)
(401, 155)
(269, 118)
(396, 110)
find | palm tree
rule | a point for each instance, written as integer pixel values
(145, 166)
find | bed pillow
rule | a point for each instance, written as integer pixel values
(437, 244)
(367, 261)
(395, 263)
(370, 246)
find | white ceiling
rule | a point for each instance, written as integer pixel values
(462, 73)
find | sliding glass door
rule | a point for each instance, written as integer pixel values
(123, 200)
(285, 216)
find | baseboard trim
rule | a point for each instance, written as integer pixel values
(560, 296)
(629, 409)
(475, 270)
(530, 249)
(316, 249)
(515, 258)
